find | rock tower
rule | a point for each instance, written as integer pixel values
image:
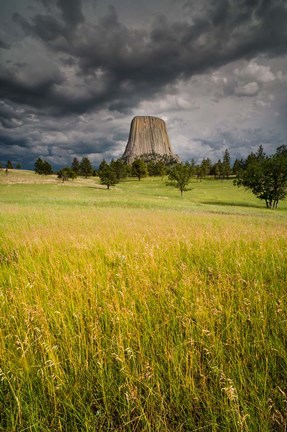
(148, 135)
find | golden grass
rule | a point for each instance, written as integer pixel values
(126, 319)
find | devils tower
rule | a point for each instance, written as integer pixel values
(148, 136)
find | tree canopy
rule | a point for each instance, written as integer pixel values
(180, 175)
(139, 169)
(75, 165)
(226, 167)
(265, 176)
(120, 168)
(85, 168)
(108, 176)
(9, 165)
(43, 167)
(67, 173)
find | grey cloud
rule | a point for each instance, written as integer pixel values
(56, 140)
(3, 44)
(13, 148)
(7, 112)
(256, 72)
(39, 95)
(90, 65)
(71, 10)
(45, 27)
(249, 89)
(138, 64)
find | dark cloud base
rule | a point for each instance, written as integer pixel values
(115, 67)
(137, 64)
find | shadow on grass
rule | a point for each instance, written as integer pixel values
(233, 204)
(100, 187)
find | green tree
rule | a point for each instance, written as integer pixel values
(265, 176)
(85, 167)
(237, 166)
(204, 168)
(9, 165)
(108, 176)
(180, 175)
(260, 154)
(139, 169)
(102, 165)
(66, 173)
(18, 166)
(120, 168)
(151, 167)
(38, 166)
(219, 169)
(160, 169)
(47, 168)
(75, 165)
(156, 168)
(226, 167)
(43, 167)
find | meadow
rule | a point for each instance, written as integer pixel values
(134, 309)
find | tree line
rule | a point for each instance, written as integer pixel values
(265, 176)
(9, 165)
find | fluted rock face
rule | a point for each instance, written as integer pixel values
(148, 135)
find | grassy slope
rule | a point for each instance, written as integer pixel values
(206, 196)
(136, 310)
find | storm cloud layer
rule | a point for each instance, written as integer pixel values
(73, 73)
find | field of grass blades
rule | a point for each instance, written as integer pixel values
(138, 319)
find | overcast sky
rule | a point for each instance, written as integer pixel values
(74, 73)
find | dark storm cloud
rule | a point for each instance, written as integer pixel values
(122, 66)
(46, 27)
(100, 145)
(7, 140)
(9, 119)
(3, 44)
(69, 63)
(14, 148)
(71, 10)
(35, 95)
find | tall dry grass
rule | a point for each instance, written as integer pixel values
(142, 320)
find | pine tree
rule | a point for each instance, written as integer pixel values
(85, 167)
(47, 168)
(237, 166)
(75, 165)
(38, 166)
(9, 165)
(139, 169)
(226, 167)
(120, 168)
(204, 169)
(102, 166)
(43, 167)
(108, 176)
(217, 169)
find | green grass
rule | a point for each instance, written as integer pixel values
(150, 193)
(135, 310)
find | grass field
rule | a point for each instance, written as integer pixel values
(135, 310)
